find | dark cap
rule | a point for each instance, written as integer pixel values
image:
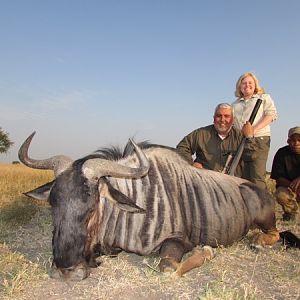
(294, 130)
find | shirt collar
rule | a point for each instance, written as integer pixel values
(228, 134)
(255, 96)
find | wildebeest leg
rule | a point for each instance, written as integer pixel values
(171, 253)
(197, 259)
(265, 215)
(270, 235)
(267, 238)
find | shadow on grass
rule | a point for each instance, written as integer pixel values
(18, 212)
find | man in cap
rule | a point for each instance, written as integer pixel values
(286, 172)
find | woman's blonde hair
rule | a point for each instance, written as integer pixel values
(258, 89)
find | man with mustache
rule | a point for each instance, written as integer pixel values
(212, 144)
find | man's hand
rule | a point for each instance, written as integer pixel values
(295, 186)
(248, 130)
(197, 165)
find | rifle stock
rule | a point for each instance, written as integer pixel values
(239, 152)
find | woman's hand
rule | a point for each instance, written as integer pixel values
(247, 130)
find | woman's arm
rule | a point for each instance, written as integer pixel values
(266, 120)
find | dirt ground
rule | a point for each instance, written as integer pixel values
(237, 272)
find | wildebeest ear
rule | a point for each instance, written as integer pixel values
(42, 192)
(118, 198)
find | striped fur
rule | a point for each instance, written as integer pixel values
(198, 207)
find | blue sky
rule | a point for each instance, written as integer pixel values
(87, 74)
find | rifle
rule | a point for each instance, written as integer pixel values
(232, 161)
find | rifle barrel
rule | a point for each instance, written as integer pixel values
(239, 152)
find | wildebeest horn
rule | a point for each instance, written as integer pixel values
(101, 167)
(56, 163)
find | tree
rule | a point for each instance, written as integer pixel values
(5, 142)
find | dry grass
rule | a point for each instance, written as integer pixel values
(16, 210)
(25, 257)
(16, 271)
(17, 179)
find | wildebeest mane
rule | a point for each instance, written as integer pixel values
(116, 152)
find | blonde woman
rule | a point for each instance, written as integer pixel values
(248, 90)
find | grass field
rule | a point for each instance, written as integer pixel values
(25, 258)
(17, 210)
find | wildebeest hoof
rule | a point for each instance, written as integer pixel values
(210, 252)
(196, 259)
(267, 239)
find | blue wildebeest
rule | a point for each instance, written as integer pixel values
(148, 201)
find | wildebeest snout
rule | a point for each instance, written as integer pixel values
(77, 273)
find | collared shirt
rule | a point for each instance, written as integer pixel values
(211, 151)
(243, 109)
